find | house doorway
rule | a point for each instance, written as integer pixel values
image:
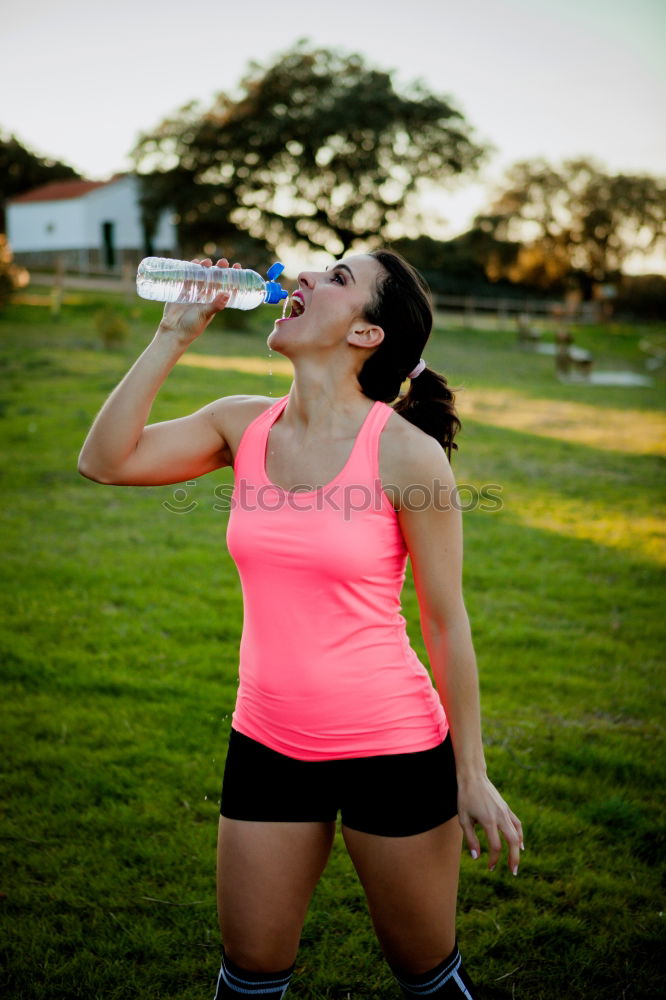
(109, 244)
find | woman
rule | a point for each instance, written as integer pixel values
(334, 489)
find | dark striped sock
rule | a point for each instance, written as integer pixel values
(448, 979)
(236, 982)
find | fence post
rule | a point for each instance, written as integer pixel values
(56, 288)
(502, 315)
(127, 282)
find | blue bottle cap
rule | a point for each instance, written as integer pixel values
(274, 290)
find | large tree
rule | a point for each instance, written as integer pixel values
(473, 263)
(317, 147)
(21, 170)
(575, 219)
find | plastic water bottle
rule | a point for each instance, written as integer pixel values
(166, 280)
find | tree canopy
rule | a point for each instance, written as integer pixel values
(317, 147)
(470, 264)
(21, 170)
(575, 219)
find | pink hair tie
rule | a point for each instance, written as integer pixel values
(417, 371)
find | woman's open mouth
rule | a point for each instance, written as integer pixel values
(296, 304)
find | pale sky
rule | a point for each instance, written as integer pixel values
(556, 78)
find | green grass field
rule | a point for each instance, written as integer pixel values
(121, 624)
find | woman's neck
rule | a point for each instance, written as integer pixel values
(318, 402)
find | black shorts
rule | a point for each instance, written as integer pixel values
(393, 795)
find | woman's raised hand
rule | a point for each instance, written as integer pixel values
(480, 802)
(188, 321)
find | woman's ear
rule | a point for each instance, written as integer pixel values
(365, 335)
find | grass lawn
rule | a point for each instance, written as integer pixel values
(121, 622)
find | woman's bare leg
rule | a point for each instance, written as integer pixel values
(266, 874)
(411, 884)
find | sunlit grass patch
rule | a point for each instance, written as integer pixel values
(642, 537)
(633, 431)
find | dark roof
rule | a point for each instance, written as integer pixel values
(61, 190)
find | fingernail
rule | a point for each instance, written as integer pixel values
(492, 869)
(515, 870)
(474, 854)
(522, 846)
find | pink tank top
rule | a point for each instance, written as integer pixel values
(326, 669)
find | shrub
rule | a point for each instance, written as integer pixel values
(11, 275)
(111, 327)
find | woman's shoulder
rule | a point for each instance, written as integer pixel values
(234, 414)
(409, 456)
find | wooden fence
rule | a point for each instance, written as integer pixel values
(505, 313)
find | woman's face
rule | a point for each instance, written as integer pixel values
(328, 305)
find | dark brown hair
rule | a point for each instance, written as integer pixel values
(403, 309)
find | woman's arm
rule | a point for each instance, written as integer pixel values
(434, 537)
(121, 450)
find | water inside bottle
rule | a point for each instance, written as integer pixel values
(161, 288)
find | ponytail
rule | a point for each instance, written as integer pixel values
(430, 405)
(402, 308)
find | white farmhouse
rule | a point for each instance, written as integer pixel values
(90, 226)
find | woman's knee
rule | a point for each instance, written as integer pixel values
(260, 957)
